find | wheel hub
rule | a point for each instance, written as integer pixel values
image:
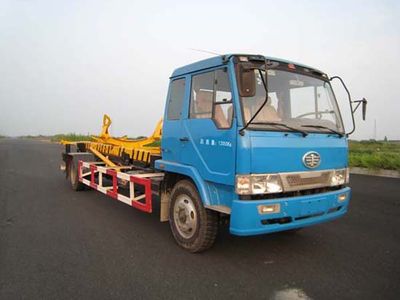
(185, 216)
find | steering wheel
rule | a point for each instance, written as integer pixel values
(318, 113)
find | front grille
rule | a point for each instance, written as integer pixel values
(298, 180)
(305, 180)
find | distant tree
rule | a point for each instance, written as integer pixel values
(385, 139)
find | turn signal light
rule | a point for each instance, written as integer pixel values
(269, 209)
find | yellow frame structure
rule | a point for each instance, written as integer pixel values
(140, 150)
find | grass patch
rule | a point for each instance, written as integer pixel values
(375, 155)
(154, 144)
(39, 136)
(72, 137)
(141, 137)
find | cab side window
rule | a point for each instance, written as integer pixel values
(211, 98)
(201, 99)
(175, 100)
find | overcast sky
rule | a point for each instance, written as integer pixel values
(65, 63)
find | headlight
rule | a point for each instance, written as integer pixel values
(258, 184)
(340, 177)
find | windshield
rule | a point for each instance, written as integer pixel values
(294, 99)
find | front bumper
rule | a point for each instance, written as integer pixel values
(295, 212)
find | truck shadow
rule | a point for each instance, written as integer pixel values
(226, 243)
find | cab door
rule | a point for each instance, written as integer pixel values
(209, 130)
(172, 124)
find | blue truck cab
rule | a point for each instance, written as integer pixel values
(256, 139)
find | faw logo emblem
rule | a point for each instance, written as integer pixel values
(311, 159)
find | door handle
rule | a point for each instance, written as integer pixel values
(184, 139)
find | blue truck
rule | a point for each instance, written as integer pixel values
(255, 140)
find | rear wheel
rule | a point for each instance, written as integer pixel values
(194, 227)
(74, 178)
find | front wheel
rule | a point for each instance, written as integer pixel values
(193, 227)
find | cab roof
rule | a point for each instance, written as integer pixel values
(216, 61)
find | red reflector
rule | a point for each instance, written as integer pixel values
(291, 66)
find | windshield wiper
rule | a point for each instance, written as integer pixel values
(304, 134)
(325, 127)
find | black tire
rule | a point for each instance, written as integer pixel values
(193, 227)
(76, 185)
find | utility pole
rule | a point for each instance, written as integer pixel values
(375, 129)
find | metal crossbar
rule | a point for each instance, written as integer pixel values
(95, 172)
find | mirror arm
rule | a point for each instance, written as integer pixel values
(359, 102)
(350, 102)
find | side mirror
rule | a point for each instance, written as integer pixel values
(364, 107)
(353, 110)
(247, 81)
